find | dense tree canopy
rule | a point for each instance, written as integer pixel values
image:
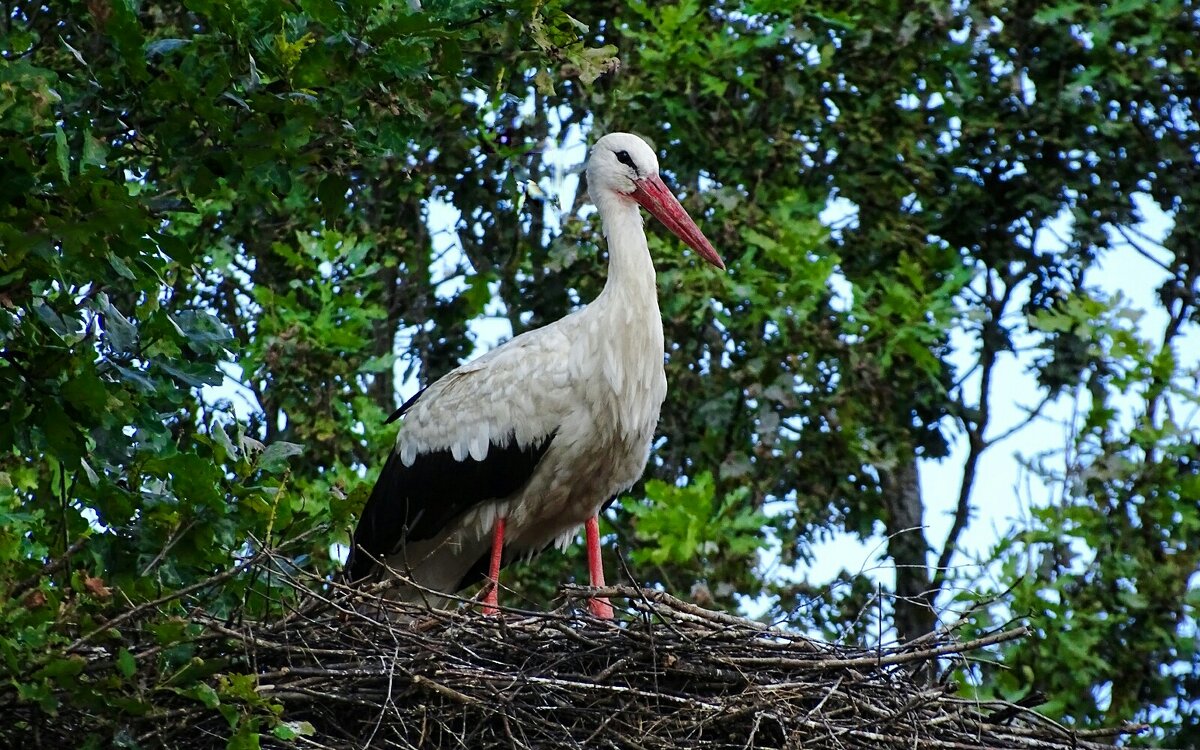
(224, 252)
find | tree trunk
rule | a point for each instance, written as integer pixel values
(382, 389)
(904, 514)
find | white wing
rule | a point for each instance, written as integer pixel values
(520, 390)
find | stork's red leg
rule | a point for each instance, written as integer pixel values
(598, 605)
(490, 600)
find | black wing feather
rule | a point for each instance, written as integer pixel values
(412, 503)
(405, 406)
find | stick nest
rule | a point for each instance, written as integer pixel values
(348, 669)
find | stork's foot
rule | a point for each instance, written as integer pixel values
(491, 603)
(491, 599)
(597, 604)
(600, 607)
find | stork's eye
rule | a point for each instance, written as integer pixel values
(624, 158)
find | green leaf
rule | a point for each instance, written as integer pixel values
(62, 153)
(62, 667)
(161, 47)
(120, 267)
(126, 664)
(47, 315)
(332, 194)
(94, 152)
(205, 333)
(1058, 13)
(137, 378)
(205, 693)
(276, 455)
(755, 237)
(290, 730)
(221, 438)
(195, 374)
(1119, 8)
(121, 333)
(64, 441)
(169, 631)
(241, 687)
(246, 737)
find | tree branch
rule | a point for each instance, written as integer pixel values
(989, 333)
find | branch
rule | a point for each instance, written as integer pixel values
(1032, 415)
(1126, 232)
(989, 330)
(49, 569)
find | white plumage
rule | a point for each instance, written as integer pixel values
(532, 439)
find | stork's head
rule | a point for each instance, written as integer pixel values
(624, 165)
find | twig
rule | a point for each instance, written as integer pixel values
(49, 569)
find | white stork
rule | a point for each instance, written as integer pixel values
(509, 454)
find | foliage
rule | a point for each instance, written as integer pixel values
(689, 528)
(224, 252)
(203, 195)
(1105, 571)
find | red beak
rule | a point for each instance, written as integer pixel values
(653, 195)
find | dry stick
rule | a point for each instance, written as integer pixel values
(162, 553)
(1111, 731)
(248, 638)
(825, 698)
(450, 693)
(180, 593)
(619, 689)
(662, 597)
(185, 713)
(386, 701)
(141, 608)
(312, 743)
(881, 661)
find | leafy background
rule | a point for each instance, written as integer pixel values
(232, 232)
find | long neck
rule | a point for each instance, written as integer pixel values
(631, 279)
(626, 344)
